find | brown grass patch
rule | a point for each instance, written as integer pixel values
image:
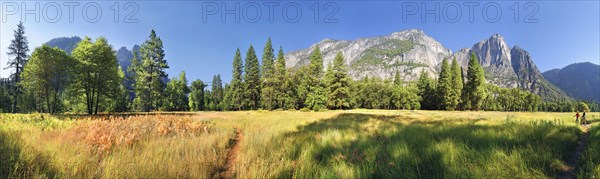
(101, 136)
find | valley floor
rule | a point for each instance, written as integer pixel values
(294, 144)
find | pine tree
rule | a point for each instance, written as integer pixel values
(463, 97)
(302, 76)
(185, 90)
(235, 95)
(291, 99)
(281, 93)
(426, 91)
(268, 79)
(268, 58)
(251, 80)
(457, 84)
(316, 63)
(397, 78)
(338, 84)
(217, 92)
(18, 48)
(149, 73)
(444, 88)
(474, 89)
(316, 97)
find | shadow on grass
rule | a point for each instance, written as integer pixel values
(592, 121)
(14, 165)
(348, 145)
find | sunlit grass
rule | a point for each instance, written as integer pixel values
(292, 144)
(591, 156)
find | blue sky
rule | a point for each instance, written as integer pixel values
(198, 41)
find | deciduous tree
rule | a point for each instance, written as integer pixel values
(97, 72)
(196, 96)
(176, 94)
(47, 75)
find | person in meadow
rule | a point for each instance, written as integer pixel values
(583, 122)
(577, 118)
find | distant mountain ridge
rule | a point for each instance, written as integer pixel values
(68, 44)
(412, 51)
(579, 80)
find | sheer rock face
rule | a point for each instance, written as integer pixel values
(527, 73)
(495, 57)
(510, 68)
(412, 51)
(409, 52)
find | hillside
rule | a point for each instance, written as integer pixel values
(579, 80)
(67, 44)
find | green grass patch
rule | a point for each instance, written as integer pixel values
(590, 159)
(381, 146)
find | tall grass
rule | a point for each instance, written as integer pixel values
(289, 144)
(379, 146)
(109, 147)
(590, 159)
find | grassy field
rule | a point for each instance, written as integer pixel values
(294, 144)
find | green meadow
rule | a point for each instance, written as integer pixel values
(295, 144)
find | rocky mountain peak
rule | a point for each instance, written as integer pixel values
(411, 32)
(508, 67)
(497, 36)
(493, 51)
(411, 52)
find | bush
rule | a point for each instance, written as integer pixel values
(305, 110)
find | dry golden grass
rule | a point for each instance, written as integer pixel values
(102, 135)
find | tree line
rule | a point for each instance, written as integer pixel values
(91, 81)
